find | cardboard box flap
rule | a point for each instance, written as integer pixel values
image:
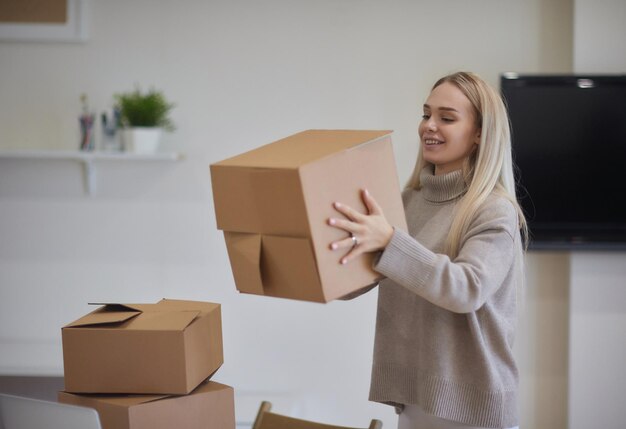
(116, 306)
(290, 261)
(163, 321)
(172, 305)
(147, 317)
(302, 148)
(110, 313)
(271, 265)
(244, 252)
(144, 308)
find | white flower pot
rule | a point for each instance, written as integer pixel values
(142, 140)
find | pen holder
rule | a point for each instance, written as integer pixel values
(110, 135)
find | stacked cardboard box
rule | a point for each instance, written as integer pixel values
(273, 204)
(149, 366)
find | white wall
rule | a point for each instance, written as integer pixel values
(243, 73)
(542, 342)
(597, 379)
(599, 36)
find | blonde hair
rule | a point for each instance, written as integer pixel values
(489, 168)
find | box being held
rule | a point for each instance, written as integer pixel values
(273, 204)
(166, 348)
(209, 406)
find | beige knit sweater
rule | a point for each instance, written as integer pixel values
(445, 328)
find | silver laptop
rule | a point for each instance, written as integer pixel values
(17, 412)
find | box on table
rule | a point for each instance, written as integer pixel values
(167, 348)
(273, 204)
(209, 406)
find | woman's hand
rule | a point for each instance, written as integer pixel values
(367, 232)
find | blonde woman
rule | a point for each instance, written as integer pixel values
(447, 307)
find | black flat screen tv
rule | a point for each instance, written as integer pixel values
(569, 146)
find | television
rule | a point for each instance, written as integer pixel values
(569, 146)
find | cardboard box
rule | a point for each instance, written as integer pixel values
(210, 406)
(167, 348)
(273, 204)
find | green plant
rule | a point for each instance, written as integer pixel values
(150, 109)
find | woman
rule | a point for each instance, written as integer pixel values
(447, 307)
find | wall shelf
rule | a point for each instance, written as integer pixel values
(89, 159)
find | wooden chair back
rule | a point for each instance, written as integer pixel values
(268, 420)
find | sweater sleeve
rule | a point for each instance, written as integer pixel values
(464, 284)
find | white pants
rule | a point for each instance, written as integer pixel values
(412, 417)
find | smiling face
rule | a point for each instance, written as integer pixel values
(448, 130)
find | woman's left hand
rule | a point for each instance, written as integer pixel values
(368, 232)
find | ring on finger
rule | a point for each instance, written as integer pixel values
(355, 241)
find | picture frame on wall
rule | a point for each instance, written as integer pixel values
(44, 20)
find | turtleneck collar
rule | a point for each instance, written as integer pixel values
(442, 188)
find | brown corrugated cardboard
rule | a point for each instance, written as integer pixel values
(166, 348)
(273, 204)
(210, 406)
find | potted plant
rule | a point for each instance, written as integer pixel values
(143, 117)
